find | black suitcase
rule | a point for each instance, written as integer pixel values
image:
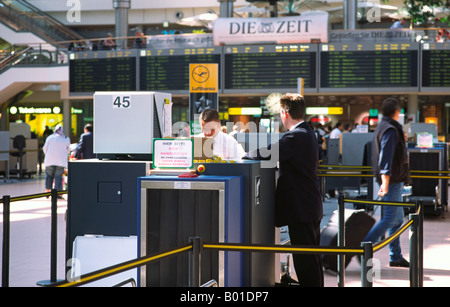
(357, 225)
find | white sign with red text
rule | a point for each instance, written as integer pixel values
(173, 153)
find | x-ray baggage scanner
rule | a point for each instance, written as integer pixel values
(125, 123)
(174, 209)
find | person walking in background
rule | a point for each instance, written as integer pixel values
(390, 165)
(85, 148)
(56, 150)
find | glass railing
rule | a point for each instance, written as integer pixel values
(38, 55)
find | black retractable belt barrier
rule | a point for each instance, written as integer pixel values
(53, 241)
(416, 242)
(414, 251)
(195, 261)
(341, 241)
(6, 200)
(367, 265)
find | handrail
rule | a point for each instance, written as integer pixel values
(31, 57)
(12, 57)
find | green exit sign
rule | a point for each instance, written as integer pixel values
(373, 112)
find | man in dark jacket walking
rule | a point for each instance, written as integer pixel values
(298, 199)
(391, 169)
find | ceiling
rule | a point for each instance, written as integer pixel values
(392, 9)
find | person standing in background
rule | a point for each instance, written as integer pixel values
(399, 24)
(85, 148)
(298, 201)
(336, 131)
(223, 145)
(56, 150)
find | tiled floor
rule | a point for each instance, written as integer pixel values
(30, 244)
(30, 233)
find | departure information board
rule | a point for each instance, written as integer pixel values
(367, 67)
(270, 68)
(168, 69)
(435, 67)
(102, 71)
(264, 69)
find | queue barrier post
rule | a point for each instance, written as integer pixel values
(6, 244)
(414, 251)
(367, 265)
(341, 241)
(53, 240)
(420, 243)
(195, 257)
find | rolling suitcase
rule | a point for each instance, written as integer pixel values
(357, 225)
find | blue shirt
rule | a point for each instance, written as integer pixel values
(387, 150)
(397, 25)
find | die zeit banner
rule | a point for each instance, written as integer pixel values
(203, 92)
(309, 26)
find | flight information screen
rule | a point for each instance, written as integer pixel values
(435, 66)
(102, 71)
(270, 68)
(168, 69)
(359, 67)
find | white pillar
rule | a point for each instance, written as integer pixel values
(350, 8)
(67, 117)
(121, 7)
(226, 8)
(413, 106)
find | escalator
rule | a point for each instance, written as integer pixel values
(21, 16)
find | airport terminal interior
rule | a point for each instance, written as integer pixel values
(146, 200)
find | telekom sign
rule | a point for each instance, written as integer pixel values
(308, 26)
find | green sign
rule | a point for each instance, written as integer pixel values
(373, 112)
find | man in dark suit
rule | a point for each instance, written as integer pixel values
(85, 148)
(298, 199)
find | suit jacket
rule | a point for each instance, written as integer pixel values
(298, 198)
(85, 149)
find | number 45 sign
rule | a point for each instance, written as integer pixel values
(121, 102)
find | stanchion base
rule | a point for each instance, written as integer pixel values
(48, 282)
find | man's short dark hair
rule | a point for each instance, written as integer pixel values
(390, 105)
(210, 115)
(294, 104)
(89, 127)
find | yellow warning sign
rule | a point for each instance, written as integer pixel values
(204, 78)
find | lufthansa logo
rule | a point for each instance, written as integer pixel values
(200, 74)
